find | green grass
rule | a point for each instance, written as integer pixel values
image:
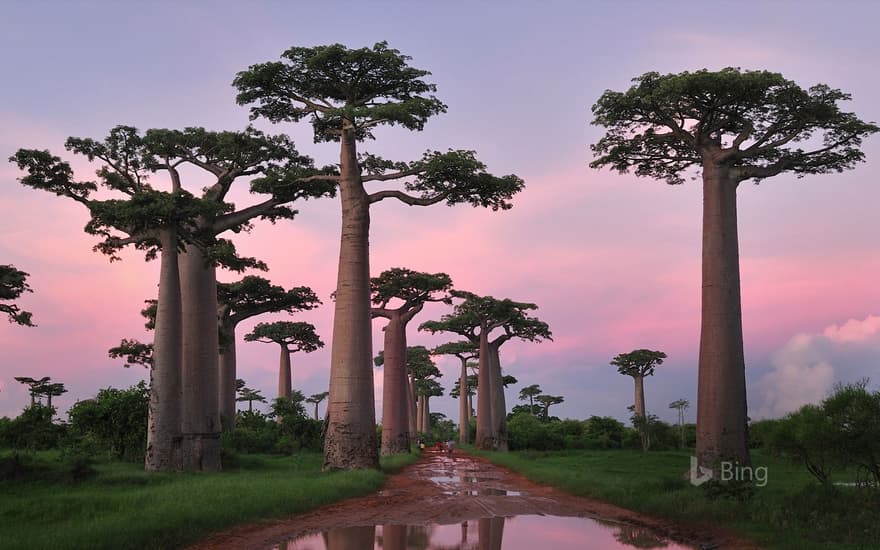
(789, 512)
(124, 507)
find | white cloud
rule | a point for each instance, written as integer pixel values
(808, 366)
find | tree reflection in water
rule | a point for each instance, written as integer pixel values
(524, 533)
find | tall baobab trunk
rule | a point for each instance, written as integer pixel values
(486, 435)
(395, 406)
(499, 407)
(411, 401)
(420, 415)
(426, 416)
(470, 400)
(463, 422)
(721, 404)
(163, 430)
(639, 405)
(351, 431)
(201, 409)
(227, 379)
(285, 375)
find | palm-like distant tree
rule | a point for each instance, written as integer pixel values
(682, 405)
(638, 364)
(34, 385)
(249, 395)
(316, 399)
(530, 393)
(546, 401)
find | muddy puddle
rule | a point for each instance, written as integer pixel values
(470, 504)
(515, 533)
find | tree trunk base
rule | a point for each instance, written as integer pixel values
(395, 445)
(201, 452)
(346, 449)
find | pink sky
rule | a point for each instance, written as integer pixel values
(612, 261)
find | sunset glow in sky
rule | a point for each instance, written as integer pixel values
(613, 261)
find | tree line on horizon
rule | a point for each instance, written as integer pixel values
(730, 125)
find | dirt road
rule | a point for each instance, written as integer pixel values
(453, 490)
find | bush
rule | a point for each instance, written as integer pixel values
(116, 419)
(808, 436)
(854, 415)
(32, 430)
(761, 433)
(843, 431)
(604, 432)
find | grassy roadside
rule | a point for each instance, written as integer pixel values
(790, 512)
(124, 507)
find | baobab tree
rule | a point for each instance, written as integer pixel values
(425, 389)
(529, 393)
(475, 318)
(291, 337)
(638, 364)
(55, 389)
(682, 405)
(346, 93)
(419, 367)
(13, 283)
(471, 385)
(34, 385)
(249, 395)
(546, 401)
(733, 126)
(398, 295)
(316, 400)
(244, 299)
(184, 417)
(465, 351)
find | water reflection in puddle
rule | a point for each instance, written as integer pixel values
(519, 532)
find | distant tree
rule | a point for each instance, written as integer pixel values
(682, 405)
(244, 299)
(530, 392)
(55, 389)
(733, 126)
(464, 351)
(316, 399)
(546, 401)
(291, 337)
(638, 364)
(475, 317)
(34, 385)
(13, 283)
(398, 295)
(249, 395)
(346, 93)
(425, 389)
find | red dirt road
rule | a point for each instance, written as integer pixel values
(448, 490)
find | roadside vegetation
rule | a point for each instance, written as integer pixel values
(812, 484)
(119, 505)
(81, 484)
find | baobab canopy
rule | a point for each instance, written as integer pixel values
(756, 122)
